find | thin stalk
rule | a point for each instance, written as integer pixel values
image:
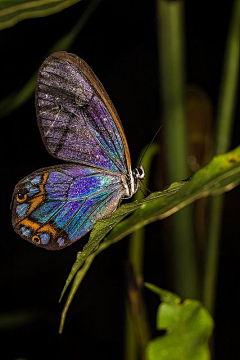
(136, 241)
(136, 257)
(172, 81)
(226, 107)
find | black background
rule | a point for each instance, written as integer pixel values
(119, 43)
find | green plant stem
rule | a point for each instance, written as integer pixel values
(16, 99)
(171, 55)
(226, 106)
(136, 257)
(136, 241)
(10, 15)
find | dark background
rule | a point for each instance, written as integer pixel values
(119, 43)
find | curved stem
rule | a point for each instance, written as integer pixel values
(226, 106)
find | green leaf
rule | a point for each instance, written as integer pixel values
(12, 101)
(165, 295)
(13, 11)
(188, 327)
(219, 175)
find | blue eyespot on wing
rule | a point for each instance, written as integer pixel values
(54, 207)
(77, 120)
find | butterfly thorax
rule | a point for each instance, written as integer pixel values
(131, 182)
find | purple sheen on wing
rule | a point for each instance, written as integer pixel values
(101, 123)
(67, 212)
(88, 150)
(61, 241)
(75, 171)
(85, 187)
(57, 79)
(74, 122)
(58, 177)
(57, 191)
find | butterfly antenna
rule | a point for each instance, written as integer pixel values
(140, 188)
(141, 159)
(145, 187)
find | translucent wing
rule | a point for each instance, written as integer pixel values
(77, 120)
(55, 206)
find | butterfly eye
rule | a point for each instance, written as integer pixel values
(36, 240)
(21, 197)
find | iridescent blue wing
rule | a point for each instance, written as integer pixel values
(55, 206)
(77, 120)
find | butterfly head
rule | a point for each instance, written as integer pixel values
(137, 175)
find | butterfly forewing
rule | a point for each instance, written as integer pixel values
(76, 118)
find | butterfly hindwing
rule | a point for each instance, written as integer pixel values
(55, 206)
(77, 120)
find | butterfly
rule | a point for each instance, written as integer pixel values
(55, 206)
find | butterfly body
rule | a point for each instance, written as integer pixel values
(53, 207)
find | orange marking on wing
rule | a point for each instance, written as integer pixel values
(37, 227)
(30, 224)
(19, 200)
(35, 202)
(48, 228)
(40, 197)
